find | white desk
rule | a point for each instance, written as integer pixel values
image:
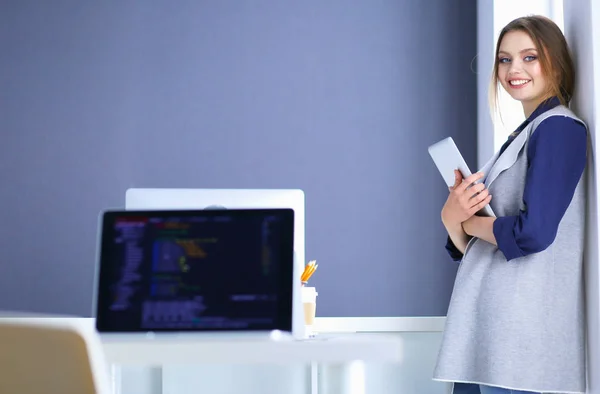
(326, 349)
(336, 352)
(416, 337)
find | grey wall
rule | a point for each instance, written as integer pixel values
(339, 98)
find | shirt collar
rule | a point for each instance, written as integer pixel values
(544, 106)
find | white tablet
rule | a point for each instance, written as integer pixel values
(447, 158)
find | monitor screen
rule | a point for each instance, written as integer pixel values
(195, 270)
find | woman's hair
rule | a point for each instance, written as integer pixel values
(553, 54)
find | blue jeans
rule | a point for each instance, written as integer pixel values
(499, 390)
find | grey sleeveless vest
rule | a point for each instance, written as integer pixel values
(519, 324)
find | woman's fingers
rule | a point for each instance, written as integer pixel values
(477, 207)
(480, 195)
(470, 196)
(468, 181)
(457, 178)
(477, 188)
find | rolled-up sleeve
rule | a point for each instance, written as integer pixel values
(557, 158)
(453, 251)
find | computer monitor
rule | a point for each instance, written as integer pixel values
(181, 198)
(225, 270)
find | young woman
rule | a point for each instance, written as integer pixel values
(515, 322)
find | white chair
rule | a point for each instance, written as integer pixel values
(51, 356)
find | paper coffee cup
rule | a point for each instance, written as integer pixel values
(309, 300)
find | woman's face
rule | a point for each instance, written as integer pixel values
(519, 70)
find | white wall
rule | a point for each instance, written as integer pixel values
(584, 38)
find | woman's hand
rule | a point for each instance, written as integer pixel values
(465, 199)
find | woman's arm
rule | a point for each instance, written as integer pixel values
(480, 227)
(459, 238)
(557, 156)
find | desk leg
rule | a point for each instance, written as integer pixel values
(148, 379)
(156, 379)
(342, 378)
(116, 378)
(314, 378)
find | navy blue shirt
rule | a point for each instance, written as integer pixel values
(557, 158)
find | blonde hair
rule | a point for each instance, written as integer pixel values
(553, 54)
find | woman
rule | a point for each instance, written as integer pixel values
(515, 322)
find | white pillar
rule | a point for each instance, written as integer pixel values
(583, 36)
(484, 64)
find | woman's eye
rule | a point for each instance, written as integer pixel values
(503, 60)
(530, 58)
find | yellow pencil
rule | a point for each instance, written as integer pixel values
(309, 269)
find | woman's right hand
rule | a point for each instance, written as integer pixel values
(465, 199)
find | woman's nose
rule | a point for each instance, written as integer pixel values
(515, 68)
